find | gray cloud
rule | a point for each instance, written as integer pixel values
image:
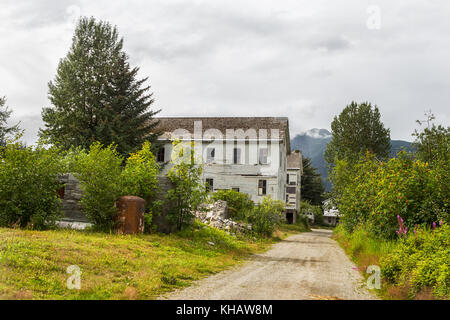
(302, 59)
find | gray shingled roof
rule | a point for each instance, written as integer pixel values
(169, 124)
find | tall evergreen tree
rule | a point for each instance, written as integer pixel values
(356, 130)
(312, 188)
(95, 95)
(5, 130)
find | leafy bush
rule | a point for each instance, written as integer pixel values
(139, 179)
(421, 260)
(188, 192)
(266, 216)
(239, 204)
(104, 179)
(139, 174)
(306, 207)
(99, 171)
(374, 193)
(28, 184)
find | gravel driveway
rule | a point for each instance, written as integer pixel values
(304, 266)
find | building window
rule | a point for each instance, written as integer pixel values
(262, 187)
(61, 192)
(287, 179)
(291, 190)
(210, 184)
(236, 156)
(210, 154)
(235, 189)
(160, 154)
(292, 179)
(263, 155)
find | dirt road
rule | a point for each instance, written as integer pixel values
(304, 266)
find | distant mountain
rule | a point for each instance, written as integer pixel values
(313, 142)
(399, 145)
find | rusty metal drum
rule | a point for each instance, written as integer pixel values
(130, 217)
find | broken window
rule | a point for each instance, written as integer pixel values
(160, 154)
(210, 154)
(263, 155)
(237, 156)
(291, 190)
(209, 184)
(262, 187)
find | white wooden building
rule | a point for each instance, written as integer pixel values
(246, 154)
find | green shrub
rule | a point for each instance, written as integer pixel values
(28, 185)
(306, 207)
(139, 178)
(99, 171)
(265, 216)
(239, 204)
(374, 193)
(104, 179)
(188, 192)
(421, 260)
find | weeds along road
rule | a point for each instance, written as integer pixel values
(305, 266)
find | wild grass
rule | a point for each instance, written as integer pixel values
(365, 250)
(33, 264)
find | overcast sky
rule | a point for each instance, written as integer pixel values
(302, 59)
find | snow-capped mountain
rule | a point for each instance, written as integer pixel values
(317, 133)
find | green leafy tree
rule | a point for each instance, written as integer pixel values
(139, 178)
(5, 130)
(433, 142)
(28, 184)
(189, 191)
(374, 193)
(356, 130)
(239, 204)
(104, 179)
(95, 95)
(139, 174)
(99, 172)
(312, 188)
(266, 215)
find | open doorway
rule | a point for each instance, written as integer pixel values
(290, 217)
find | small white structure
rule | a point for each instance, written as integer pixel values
(331, 214)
